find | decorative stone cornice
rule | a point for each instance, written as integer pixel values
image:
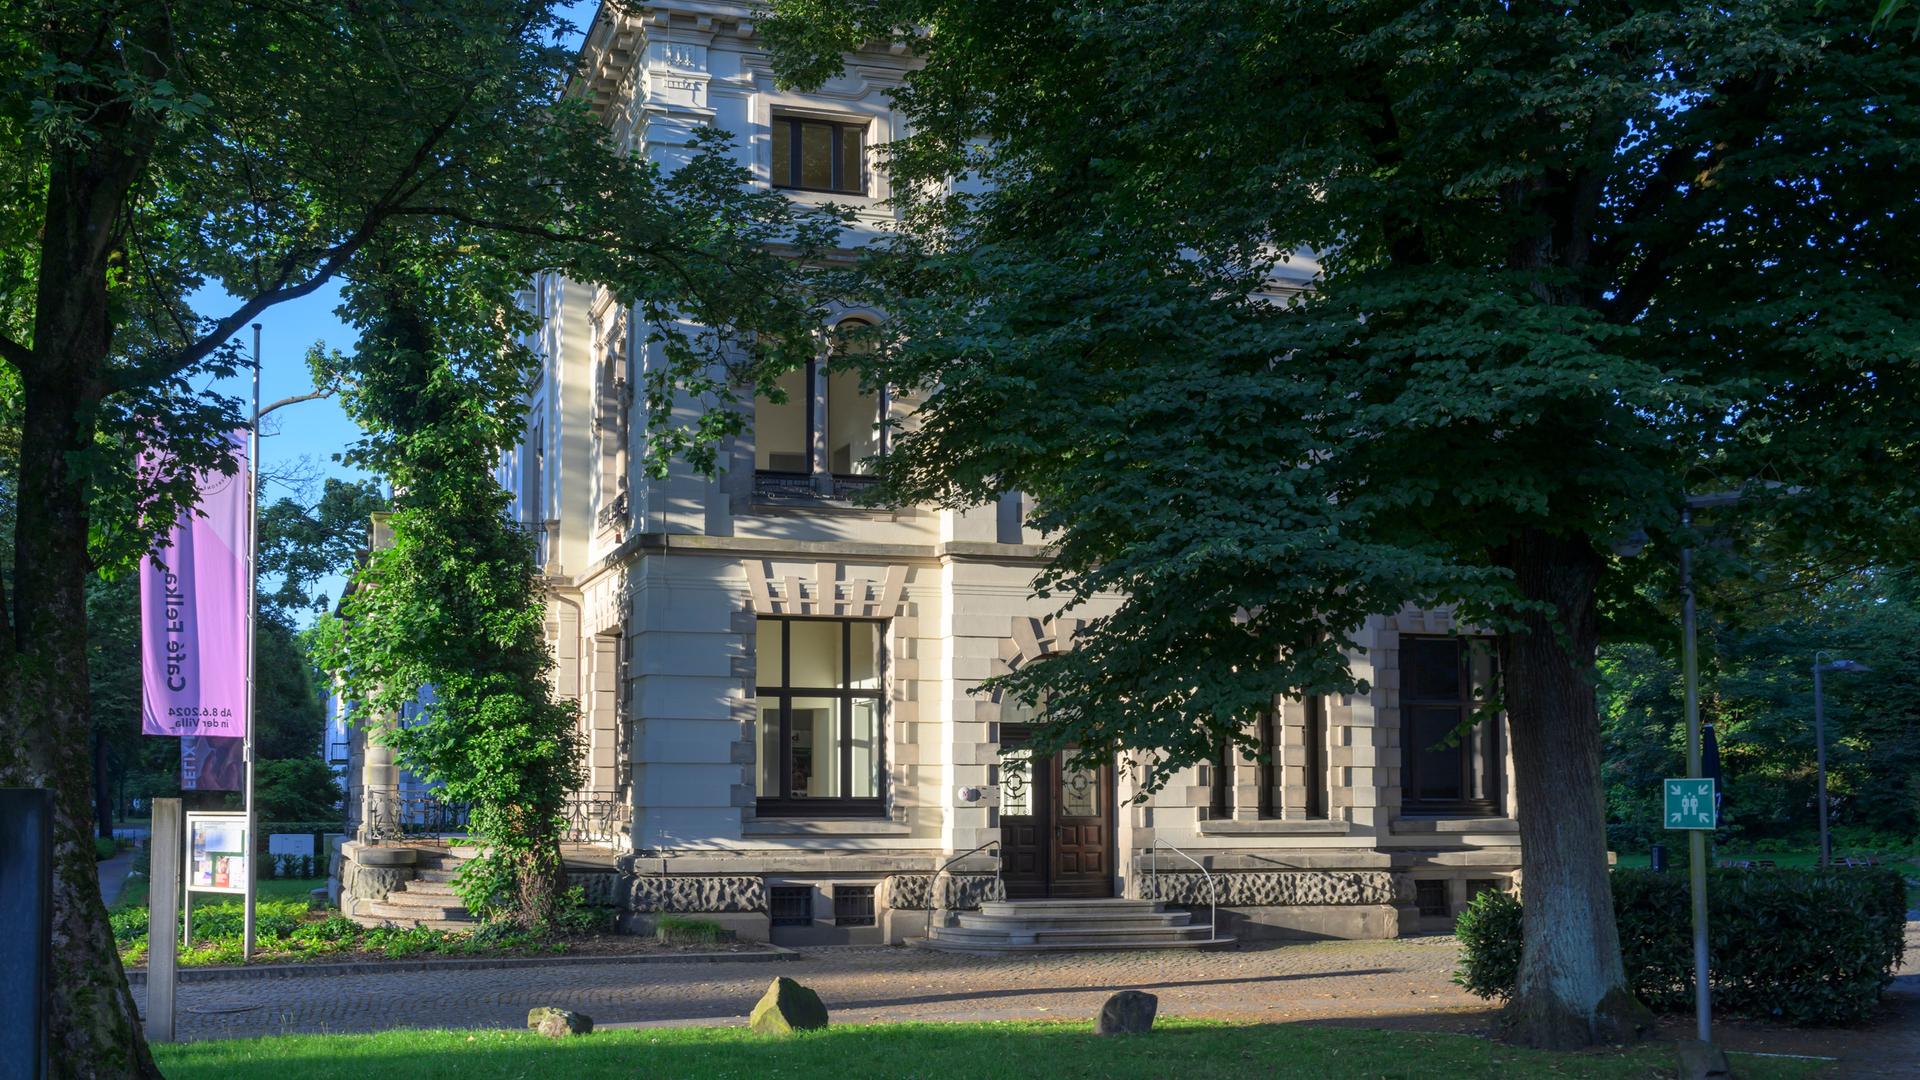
(825, 593)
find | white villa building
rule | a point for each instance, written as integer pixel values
(776, 687)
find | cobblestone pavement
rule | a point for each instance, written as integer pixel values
(1403, 983)
(1374, 978)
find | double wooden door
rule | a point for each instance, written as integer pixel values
(1056, 825)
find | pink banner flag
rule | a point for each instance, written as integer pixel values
(193, 617)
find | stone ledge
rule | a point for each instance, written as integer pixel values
(1425, 825)
(1276, 827)
(824, 827)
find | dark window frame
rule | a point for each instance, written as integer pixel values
(814, 403)
(837, 171)
(807, 401)
(1486, 803)
(844, 805)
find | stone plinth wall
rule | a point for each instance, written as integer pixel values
(958, 892)
(1294, 888)
(723, 894)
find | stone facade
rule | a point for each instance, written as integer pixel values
(659, 587)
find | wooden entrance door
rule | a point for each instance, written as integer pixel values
(1056, 827)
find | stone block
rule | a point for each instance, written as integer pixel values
(1701, 1061)
(787, 1007)
(558, 1023)
(1129, 1012)
(730, 893)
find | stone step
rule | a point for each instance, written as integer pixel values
(1073, 920)
(1032, 935)
(971, 949)
(430, 887)
(1041, 907)
(398, 906)
(434, 875)
(451, 926)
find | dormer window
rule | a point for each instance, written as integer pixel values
(819, 155)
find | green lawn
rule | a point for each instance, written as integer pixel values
(1050, 1051)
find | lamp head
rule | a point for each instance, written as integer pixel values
(1846, 665)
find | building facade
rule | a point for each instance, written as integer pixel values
(777, 688)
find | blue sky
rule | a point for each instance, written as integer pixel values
(304, 438)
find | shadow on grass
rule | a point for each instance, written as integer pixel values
(1039, 1050)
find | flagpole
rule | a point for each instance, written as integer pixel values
(253, 554)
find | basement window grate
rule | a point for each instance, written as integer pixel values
(791, 905)
(853, 905)
(1430, 897)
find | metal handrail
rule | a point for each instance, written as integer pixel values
(933, 884)
(1213, 894)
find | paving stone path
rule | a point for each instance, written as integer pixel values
(1404, 983)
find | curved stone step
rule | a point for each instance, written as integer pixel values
(973, 949)
(451, 926)
(415, 912)
(1065, 920)
(1053, 907)
(430, 888)
(1069, 933)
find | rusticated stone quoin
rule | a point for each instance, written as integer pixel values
(654, 892)
(961, 892)
(600, 889)
(359, 882)
(1288, 888)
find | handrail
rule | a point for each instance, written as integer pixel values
(933, 884)
(1213, 894)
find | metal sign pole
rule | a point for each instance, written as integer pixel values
(253, 579)
(1696, 838)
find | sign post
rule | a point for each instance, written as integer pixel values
(163, 903)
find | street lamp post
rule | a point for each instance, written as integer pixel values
(1820, 668)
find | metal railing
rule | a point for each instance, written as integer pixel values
(598, 819)
(1213, 892)
(411, 815)
(933, 883)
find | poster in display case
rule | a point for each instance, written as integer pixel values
(217, 852)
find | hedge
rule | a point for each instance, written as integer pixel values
(1795, 946)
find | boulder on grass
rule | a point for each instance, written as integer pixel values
(558, 1023)
(1127, 1012)
(788, 1007)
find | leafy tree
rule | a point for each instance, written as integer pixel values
(455, 603)
(296, 789)
(1565, 262)
(301, 544)
(148, 148)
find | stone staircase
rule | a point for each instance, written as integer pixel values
(1012, 926)
(428, 900)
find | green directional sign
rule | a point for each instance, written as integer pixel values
(1690, 803)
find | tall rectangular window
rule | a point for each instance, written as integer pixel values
(1450, 764)
(821, 743)
(783, 430)
(819, 155)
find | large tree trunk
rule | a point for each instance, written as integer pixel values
(1572, 990)
(43, 661)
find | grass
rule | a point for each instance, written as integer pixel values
(980, 1051)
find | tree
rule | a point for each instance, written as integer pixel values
(454, 605)
(147, 148)
(301, 544)
(1564, 263)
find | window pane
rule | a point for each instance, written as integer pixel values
(865, 746)
(767, 786)
(814, 734)
(865, 656)
(814, 653)
(1436, 767)
(1016, 783)
(816, 155)
(782, 152)
(766, 654)
(1430, 668)
(1079, 789)
(853, 436)
(851, 160)
(780, 431)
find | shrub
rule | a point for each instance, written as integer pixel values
(1800, 947)
(680, 930)
(104, 848)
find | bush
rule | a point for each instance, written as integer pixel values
(104, 848)
(1799, 947)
